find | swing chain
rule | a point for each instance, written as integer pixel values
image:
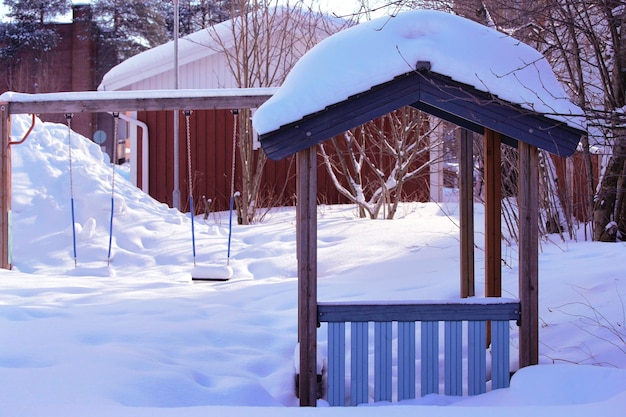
(116, 122)
(232, 176)
(187, 114)
(68, 118)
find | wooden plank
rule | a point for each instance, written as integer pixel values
(493, 218)
(509, 119)
(528, 255)
(359, 375)
(500, 366)
(453, 359)
(5, 189)
(459, 121)
(215, 156)
(198, 154)
(224, 124)
(136, 100)
(382, 361)
(336, 364)
(161, 171)
(406, 360)
(306, 242)
(476, 359)
(466, 213)
(473, 309)
(430, 357)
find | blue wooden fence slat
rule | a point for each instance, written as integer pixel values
(406, 349)
(477, 361)
(382, 361)
(430, 357)
(406, 360)
(359, 370)
(500, 354)
(336, 363)
(453, 382)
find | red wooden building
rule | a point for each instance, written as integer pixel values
(205, 61)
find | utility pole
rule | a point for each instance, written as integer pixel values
(176, 192)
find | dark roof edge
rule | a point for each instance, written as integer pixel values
(435, 94)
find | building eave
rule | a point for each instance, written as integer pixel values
(435, 94)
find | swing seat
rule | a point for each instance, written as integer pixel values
(211, 273)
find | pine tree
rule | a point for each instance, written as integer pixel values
(36, 11)
(27, 28)
(29, 33)
(130, 27)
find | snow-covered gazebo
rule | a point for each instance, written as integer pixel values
(462, 72)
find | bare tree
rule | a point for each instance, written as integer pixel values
(586, 45)
(266, 39)
(585, 42)
(371, 165)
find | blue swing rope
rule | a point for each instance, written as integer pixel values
(68, 118)
(116, 118)
(187, 114)
(232, 185)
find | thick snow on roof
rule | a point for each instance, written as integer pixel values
(161, 58)
(374, 52)
(206, 42)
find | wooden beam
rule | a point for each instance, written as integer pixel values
(478, 309)
(466, 212)
(137, 100)
(5, 189)
(306, 241)
(493, 221)
(528, 254)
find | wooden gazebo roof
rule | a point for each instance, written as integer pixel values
(432, 93)
(477, 111)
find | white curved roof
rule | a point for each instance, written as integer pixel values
(201, 59)
(160, 59)
(374, 52)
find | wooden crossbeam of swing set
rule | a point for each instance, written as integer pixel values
(137, 100)
(103, 102)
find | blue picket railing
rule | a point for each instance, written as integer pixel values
(402, 320)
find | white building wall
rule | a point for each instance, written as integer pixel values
(210, 72)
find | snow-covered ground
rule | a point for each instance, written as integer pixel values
(138, 337)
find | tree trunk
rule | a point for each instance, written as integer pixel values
(609, 204)
(620, 205)
(605, 208)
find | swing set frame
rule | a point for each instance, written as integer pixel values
(102, 102)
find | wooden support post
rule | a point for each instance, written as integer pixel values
(436, 165)
(466, 212)
(528, 254)
(5, 189)
(493, 221)
(306, 230)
